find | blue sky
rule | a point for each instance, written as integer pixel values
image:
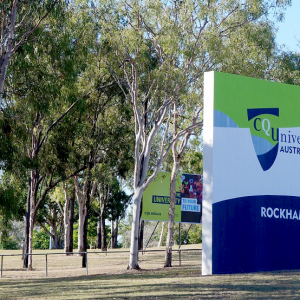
(289, 29)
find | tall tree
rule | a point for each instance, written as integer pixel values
(214, 40)
(19, 20)
(151, 81)
(158, 50)
(41, 91)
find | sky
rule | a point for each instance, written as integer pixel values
(289, 29)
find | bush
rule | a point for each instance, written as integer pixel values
(9, 243)
(40, 240)
(195, 234)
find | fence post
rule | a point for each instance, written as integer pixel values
(1, 264)
(179, 244)
(86, 263)
(46, 255)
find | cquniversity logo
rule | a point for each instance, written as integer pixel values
(264, 134)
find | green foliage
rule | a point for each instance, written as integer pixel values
(9, 244)
(8, 240)
(125, 229)
(40, 239)
(75, 236)
(84, 56)
(195, 234)
(92, 231)
(12, 199)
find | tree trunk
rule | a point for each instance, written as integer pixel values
(33, 193)
(115, 244)
(112, 233)
(56, 243)
(71, 219)
(52, 239)
(67, 234)
(82, 214)
(26, 233)
(116, 233)
(84, 198)
(114, 239)
(141, 234)
(169, 242)
(85, 225)
(141, 228)
(133, 261)
(31, 225)
(103, 233)
(68, 221)
(161, 234)
(176, 164)
(98, 245)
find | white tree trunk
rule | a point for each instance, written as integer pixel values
(133, 261)
(81, 196)
(33, 175)
(112, 232)
(170, 240)
(161, 234)
(31, 225)
(66, 223)
(82, 214)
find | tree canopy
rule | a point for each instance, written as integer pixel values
(96, 92)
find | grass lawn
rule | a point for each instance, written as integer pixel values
(109, 279)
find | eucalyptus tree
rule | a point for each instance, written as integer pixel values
(228, 27)
(151, 81)
(40, 93)
(159, 49)
(113, 204)
(19, 20)
(64, 197)
(50, 218)
(222, 31)
(105, 148)
(286, 67)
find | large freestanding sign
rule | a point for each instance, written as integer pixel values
(188, 206)
(251, 176)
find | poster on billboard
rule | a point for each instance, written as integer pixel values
(251, 190)
(188, 207)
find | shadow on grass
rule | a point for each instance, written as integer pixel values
(173, 283)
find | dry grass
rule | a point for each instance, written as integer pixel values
(60, 265)
(111, 280)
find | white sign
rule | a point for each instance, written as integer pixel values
(190, 204)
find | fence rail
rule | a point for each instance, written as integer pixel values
(86, 255)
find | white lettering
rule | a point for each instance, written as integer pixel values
(288, 213)
(266, 130)
(295, 216)
(270, 212)
(281, 213)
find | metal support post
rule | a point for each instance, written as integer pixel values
(86, 263)
(46, 256)
(179, 244)
(1, 264)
